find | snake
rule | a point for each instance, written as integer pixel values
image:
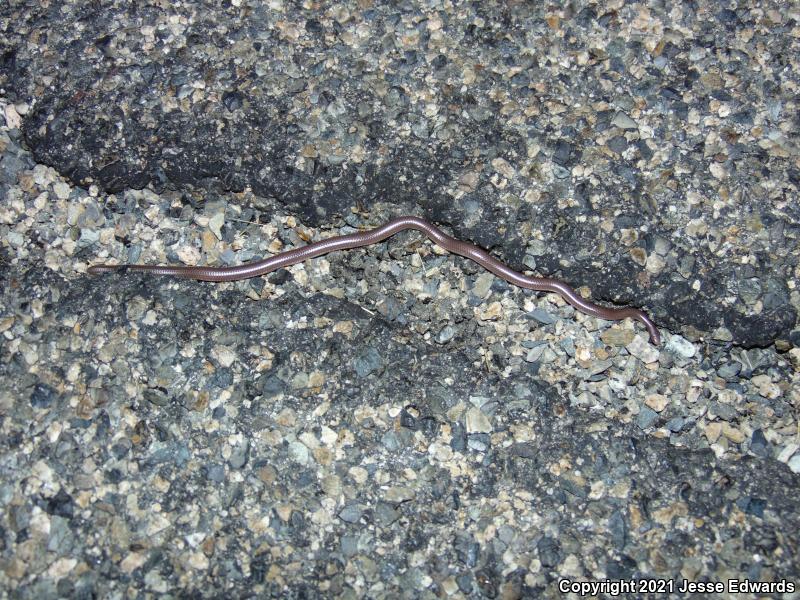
(378, 234)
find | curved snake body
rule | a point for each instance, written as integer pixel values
(378, 234)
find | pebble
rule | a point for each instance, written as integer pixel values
(62, 190)
(483, 284)
(722, 334)
(216, 473)
(734, 434)
(729, 371)
(458, 437)
(10, 167)
(368, 362)
(298, 452)
(787, 452)
(759, 444)
(618, 337)
(493, 311)
(349, 545)
(724, 411)
(535, 354)
(597, 367)
(646, 417)
(386, 514)
(657, 402)
(655, 264)
(399, 494)
(712, 431)
(623, 121)
(766, 387)
(618, 144)
(42, 396)
(680, 346)
(642, 349)
(446, 334)
(479, 442)
(675, 424)
(477, 422)
(568, 346)
(239, 455)
(88, 237)
(215, 224)
(391, 441)
(351, 513)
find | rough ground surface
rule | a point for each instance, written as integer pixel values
(393, 421)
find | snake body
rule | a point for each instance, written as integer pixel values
(378, 234)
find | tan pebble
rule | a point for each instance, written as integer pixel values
(493, 311)
(345, 327)
(316, 379)
(208, 547)
(503, 167)
(665, 515)
(733, 434)
(189, 255)
(483, 284)
(616, 336)
(766, 387)
(328, 436)
(468, 182)
(628, 236)
(655, 264)
(284, 511)
(713, 430)
(61, 568)
(15, 568)
(198, 560)
(399, 494)
(215, 224)
(723, 334)
(267, 474)
(323, 456)
(209, 240)
(657, 402)
(718, 171)
(6, 323)
(639, 256)
(132, 562)
(359, 474)
(224, 355)
(449, 586)
(794, 357)
(12, 115)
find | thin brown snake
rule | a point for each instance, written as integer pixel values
(373, 236)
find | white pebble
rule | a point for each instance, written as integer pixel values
(787, 452)
(298, 452)
(680, 346)
(62, 190)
